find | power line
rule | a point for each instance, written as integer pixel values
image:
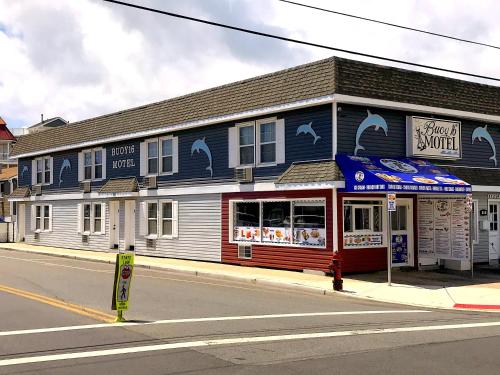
(392, 24)
(297, 41)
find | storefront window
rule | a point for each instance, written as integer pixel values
(285, 222)
(276, 223)
(309, 223)
(247, 221)
(363, 223)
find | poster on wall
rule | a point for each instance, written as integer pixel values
(276, 235)
(443, 228)
(362, 240)
(426, 228)
(399, 249)
(249, 234)
(309, 236)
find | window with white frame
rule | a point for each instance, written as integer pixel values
(283, 222)
(152, 218)
(92, 218)
(167, 217)
(41, 217)
(42, 168)
(159, 156)
(257, 143)
(159, 219)
(91, 164)
(363, 222)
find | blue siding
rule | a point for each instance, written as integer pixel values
(394, 144)
(192, 167)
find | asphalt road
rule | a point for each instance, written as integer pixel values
(54, 314)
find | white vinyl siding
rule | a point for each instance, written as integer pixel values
(198, 235)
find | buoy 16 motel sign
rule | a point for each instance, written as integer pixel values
(433, 138)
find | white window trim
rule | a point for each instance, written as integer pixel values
(102, 218)
(93, 165)
(260, 201)
(258, 123)
(256, 142)
(160, 219)
(51, 169)
(42, 219)
(160, 155)
(383, 232)
(152, 236)
(146, 143)
(87, 232)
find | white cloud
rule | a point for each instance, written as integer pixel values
(83, 58)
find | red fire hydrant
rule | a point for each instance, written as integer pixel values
(336, 269)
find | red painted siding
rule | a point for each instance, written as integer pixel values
(369, 259)
(293, 258)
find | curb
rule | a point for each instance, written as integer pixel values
(274, 284)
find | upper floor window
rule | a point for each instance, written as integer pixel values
(92, 165)
(42, 171)
(159, 156)
(257, 143)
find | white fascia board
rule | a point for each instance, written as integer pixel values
(188, 125)
(312, 185)
(486, 189)
(348, 99)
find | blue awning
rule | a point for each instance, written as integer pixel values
(379, 174)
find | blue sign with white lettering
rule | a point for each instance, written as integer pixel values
(376, 174)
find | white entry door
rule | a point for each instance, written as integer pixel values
(402, 233)
(494, 235)
(129, 225)
(114, 224)
(21, 222)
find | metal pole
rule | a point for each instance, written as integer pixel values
(389, 249)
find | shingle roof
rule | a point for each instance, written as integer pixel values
(311, 172)
(314, 80)
(120, 185)
(476, 176)
(7, 173)
(21, 192)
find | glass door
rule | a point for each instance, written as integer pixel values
(494, 235)
(402, 233)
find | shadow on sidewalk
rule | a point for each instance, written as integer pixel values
(484, 275)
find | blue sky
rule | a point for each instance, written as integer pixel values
(83, 58)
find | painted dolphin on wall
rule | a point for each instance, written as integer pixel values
(371, 120)
(66, 164)
(307, 129)
(25, 170)
(201, 145)
(481, 133)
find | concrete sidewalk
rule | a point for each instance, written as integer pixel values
(482, 294)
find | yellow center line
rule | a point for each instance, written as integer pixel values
(78, 309)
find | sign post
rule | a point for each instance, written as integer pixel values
(124, 268)
(391, 207)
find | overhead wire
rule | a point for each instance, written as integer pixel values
(297, 41)
(458, 39)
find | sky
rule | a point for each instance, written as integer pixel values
(83, 58)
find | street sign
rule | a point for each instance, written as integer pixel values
(391, 202)
(123, 277)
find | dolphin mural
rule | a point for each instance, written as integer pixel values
(481, 133)
(307, 129)
(201, 145)
(25, 170)
(66, 164)
(371, 120)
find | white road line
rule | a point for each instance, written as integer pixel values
(200, 320)
(240, 340)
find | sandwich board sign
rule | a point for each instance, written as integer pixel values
(124, 268)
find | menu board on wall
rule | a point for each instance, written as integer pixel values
(443, 228)
(426, 228)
